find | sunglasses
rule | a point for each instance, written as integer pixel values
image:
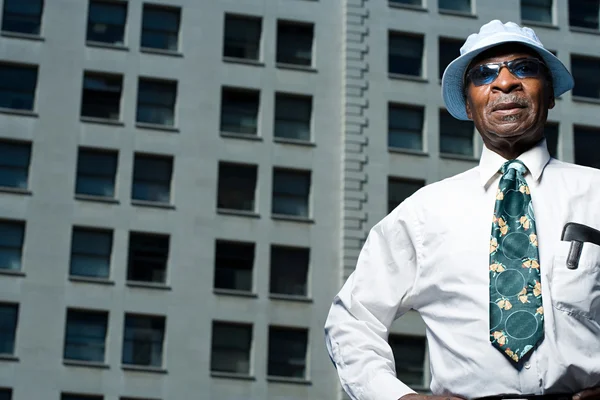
(521, 68)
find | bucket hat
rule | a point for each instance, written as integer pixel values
(492, 34)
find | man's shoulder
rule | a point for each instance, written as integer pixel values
(573, 171)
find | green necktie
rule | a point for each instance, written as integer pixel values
(516, 312)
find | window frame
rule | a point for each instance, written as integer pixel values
(9, 332)
(157, 254)
(400, 131)
(36, 19)
(31, 91)
(278, 194)
(93, 341)
(233, 108)
(255, 47)
(97, 175)
(295, 262)
(109, 233)
(285, 332)
(248, 353)
(232, 187)
(396, 179)
(24, 168)
(451, 134)
(110, 81)
(395, 56)
(123, 27)
(161, 321)
(153, 7)
(236, 258)
(156, 182)
(537, 7)
(283, 103)
(423, 368)
(593, 83)
(282, 56)
(171, 87)
(18, 250)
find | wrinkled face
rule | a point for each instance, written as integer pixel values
(509, 110)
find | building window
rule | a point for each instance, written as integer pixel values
(231, 344)
(287, 352)
(587, 141)
(96, 172)
(289, 270)
(409, 357)
(143, 340)
(160, 27)
(237, 186)
(5, 394)
(551, 134)
(461, 6)
(536, 11)
(405, 127)
(22, 16)
(14, 164)
(101, 97)
(106, 22)
(239, 111)
(72, 396)
(234, 262)
(152, 178)
(400, 189)
(291, 191)
(148, 257)
(585, 73)
(17, 86)
(242, 37)
(85, 336)
(584, 14)
(449, 49)
(405, 54)
(293, 116)
(11, 244)
(456, 136)
(156, 102)
(90, 253)
(294, 43)
(417, 3)
(9, 316)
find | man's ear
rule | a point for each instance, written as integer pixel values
(468, 107)
(551, 102)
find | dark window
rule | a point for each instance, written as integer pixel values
(234, 262)
(409, 357)
(9, 316)
(231, 348)
(143, 340)
(294, 43)
(237, 186)
(242, 37)
(405, 54)
(148, 257)
(287, 352)
(156, 102)
(405, 127)
(152, 178)
(96, 172)
(456, 136)
(293, 116)
(11, 244)
(449, 49)
(160, 27)
(409, 2)
(5, 394)
(70, 396)
(85, 337)
(291, 190)
(536, 11)
(106, 22)
(17, 86)
(585, 73)
(551, 133)
(587, 143)
(239, 111)
(289, 270)
(400, 189)
(22, 16)
(462, 6)
(90, 252)
(14, 164)
(101, 97)
(584, 13)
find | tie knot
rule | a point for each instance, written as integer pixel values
(517, 165)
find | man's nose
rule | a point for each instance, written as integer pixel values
(506, 82)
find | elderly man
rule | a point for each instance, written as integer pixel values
(502, 262)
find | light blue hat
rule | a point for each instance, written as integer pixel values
(492, 34)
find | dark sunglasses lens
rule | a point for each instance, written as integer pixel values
(483, 75)
(525, 68)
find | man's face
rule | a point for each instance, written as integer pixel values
(509, 112)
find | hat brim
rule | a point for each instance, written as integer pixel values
(452, 80)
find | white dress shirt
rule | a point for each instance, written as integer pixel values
(431, 254)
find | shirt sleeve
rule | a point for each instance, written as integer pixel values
(376, 293)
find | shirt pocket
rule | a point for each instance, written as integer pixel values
(577, 291)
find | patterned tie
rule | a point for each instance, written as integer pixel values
(516, 312)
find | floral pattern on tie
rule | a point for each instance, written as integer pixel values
(516, 311)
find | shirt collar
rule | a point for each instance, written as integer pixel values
(535, 159)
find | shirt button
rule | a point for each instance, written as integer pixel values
(527, 365)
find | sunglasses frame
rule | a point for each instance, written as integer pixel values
(508, 65)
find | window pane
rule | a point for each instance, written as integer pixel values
(11, 243)
(80, 397)
(405, 127)
(96, 171)
(551, 133)
(143, 340)
(405, 54)
(584, 13)
(292, 117)
(239, 111)
(106, 22)
(294, 43)
(9, 314)
(22, 16)
(456, 137)
(14, 164)
(290, 193)
(587, 141)
(242, 37)
(289, 270)
(152, 178)
(401, 189)
(90, 253)
(234, 262)
(5, 394)
(455, 5)
(85, 335)
(287, 352)
(160, 27)
(585, 74)
(148, 257)
(17, 86)
(409, 357)
(409, 2)
(237, 186)
(231, 348)
(101, 96)
(449, 49)
(156, 102)
(536, 10)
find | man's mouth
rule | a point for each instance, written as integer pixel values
(508, 108)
